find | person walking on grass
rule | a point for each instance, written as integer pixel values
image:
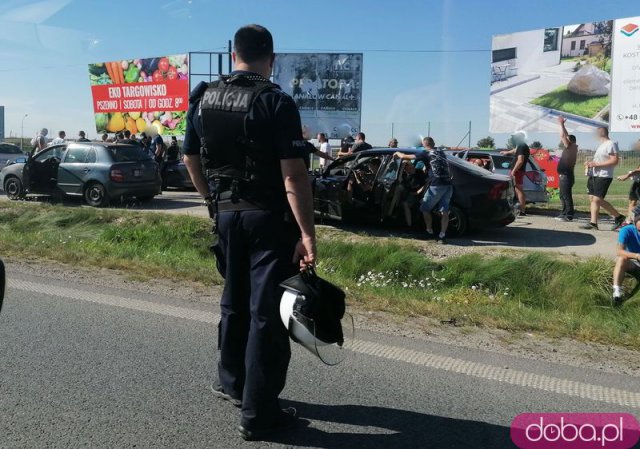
(566, 169)
(628, 257)
(519, 167)
(600, 173)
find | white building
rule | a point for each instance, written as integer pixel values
(527, 51)
(583, 39)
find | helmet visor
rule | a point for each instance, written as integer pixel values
(327, 341)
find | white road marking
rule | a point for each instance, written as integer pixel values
(475, 369)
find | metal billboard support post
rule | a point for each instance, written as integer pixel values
(210, 73)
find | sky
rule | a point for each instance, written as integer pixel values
(425, 61)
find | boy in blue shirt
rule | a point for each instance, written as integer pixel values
(628, 256)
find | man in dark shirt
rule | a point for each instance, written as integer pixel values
(519, 167)
(265, 222)
(440, 191)
(82, 137)
(173, 152)
(127, 140)
(566, 174)
(360, 144)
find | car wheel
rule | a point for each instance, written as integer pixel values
(96, 195)
(458, 222)
(13, 188)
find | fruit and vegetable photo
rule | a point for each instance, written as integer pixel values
(136, 71)
(167, 123)
(174, 67)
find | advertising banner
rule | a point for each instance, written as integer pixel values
(137, 94)
(538, 75)
(625, 76)
(327, 88)
(549, 164)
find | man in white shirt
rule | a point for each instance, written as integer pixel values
(325, 148)
(600, 172)
(60, 139)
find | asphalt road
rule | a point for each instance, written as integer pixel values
(88, 366)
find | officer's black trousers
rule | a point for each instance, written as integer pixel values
(254, 250)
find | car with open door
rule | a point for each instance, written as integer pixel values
(97, 172)
(361, 187)
(535, 180)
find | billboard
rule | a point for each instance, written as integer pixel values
(327, 88)
(625, 76)
(138, 94)
(566, 70)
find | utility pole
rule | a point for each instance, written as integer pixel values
(22, 130)
(428, 129)
(469, 134)
(230, 51)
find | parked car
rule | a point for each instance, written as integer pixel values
(480, 198)
(535, 181)
(178, 176)
(97, 172)
(9, 152)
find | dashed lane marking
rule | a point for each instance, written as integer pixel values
(430, 360)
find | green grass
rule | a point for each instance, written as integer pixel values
(561, 99)
(533, 292)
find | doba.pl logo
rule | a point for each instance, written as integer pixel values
(629, 29)
(575, 431)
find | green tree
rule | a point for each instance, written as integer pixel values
(486, 142)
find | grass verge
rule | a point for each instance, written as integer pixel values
(561, 99)
(533, 292)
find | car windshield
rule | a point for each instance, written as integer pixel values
(129, 154)
(9, 149)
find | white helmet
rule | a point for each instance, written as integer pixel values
(313, 310)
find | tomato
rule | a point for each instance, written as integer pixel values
(172, 73)
(163, 65)
(158, 76)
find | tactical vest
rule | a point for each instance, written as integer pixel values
(241, 168)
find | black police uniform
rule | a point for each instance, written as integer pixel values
(242, 126)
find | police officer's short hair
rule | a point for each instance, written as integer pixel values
(572, 138)
(361, 136)
(253, 43)
(127, 133)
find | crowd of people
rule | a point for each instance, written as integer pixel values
(425, 180)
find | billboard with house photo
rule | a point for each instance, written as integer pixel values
(540, 74)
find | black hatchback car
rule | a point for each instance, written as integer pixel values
(480, 199)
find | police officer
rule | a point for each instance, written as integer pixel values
(245, 153)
